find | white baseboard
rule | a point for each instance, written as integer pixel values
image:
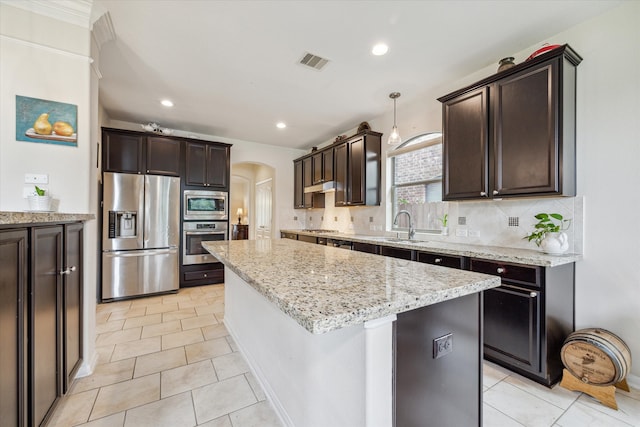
(88, 366)
(633, 381)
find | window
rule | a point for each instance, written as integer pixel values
(416, 181)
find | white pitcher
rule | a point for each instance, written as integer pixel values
(555, 243)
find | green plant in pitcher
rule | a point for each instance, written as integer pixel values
(39, 191)
(547, 223)
(444, 220)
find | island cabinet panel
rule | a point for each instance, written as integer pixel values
(206, 165)
(457, 400)
(513, 134)
(13, 297)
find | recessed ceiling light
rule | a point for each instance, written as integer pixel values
(281, 125)
(166, 103)
(380, 49)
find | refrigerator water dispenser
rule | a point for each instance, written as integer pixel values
(122, 224)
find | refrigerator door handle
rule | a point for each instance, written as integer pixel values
(145, 252)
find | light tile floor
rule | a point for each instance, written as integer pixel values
(169, 361)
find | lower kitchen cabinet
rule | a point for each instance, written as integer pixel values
(13, 297)
(41, 292)
(527, 319)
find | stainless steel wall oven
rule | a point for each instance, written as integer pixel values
(194, 233)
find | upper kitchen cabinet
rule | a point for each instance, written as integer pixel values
(298, 185)
(207, 164)
(304, 171)
(323, 166)
(513, 133)
(135, 152)
(357, 170)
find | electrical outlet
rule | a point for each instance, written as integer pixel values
(370, 219)
(442, 346)
(295, 218)
(461, 232)
(335, 218)
(33, 178)
(474, 233)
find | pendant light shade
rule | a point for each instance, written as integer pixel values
(394, 138)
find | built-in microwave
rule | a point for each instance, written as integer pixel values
(205, 205)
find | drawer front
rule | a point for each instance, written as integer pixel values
(308, 239)
(211, 275)
(365, 247)
(397, 252)
(515, 273)
(289, 236)
(442, 260)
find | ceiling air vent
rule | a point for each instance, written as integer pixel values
(314, 61)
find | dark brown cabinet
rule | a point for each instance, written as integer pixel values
(357, 170)
(513, 134)
(298, 185)
(72, 301)
(41, 303)
(162, 156)
(13, 298)
(303, 177)
(527, 319)
(45, 352)
(207, 165)
(451, 261)
(133, 152)
(240, 232)
(323, 166)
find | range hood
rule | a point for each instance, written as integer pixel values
(325, 187)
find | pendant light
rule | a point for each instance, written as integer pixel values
(394, 138)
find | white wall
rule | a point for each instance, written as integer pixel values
(49, 59)
(608, 154)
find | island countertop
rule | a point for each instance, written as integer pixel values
(324, 288)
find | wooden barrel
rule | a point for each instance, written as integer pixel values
(596, 356)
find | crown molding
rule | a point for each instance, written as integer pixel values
(76, 12)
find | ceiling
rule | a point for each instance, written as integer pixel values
(231, 67)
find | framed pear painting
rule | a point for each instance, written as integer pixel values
(48, 122)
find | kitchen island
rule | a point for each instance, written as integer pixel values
(324, 329)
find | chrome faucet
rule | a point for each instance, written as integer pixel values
(412, 232)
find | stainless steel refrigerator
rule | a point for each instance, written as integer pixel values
(140, 234)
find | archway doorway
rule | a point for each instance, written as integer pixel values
(252, 190)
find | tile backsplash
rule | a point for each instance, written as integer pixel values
(492, 222)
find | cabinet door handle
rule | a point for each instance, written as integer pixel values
(69, 270)
(495, 192)
(533, 294)
(500, 270)
(438, 260)
(483, 194)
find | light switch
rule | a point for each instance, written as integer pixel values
(34, 178)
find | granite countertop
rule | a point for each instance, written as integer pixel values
(494, 253)
(325, 288)
(18, 218)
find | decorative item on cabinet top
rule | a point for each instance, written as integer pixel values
(156, 128)
(545, 48)
(506, 63)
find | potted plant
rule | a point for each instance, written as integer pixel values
(549, 233)
(444, 220)
(39, 201)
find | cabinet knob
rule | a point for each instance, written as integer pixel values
(483, 194)
(438, 260)
(533, 294)
(205, 274)
(69, 270)
(496, 192)
(500, 270)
